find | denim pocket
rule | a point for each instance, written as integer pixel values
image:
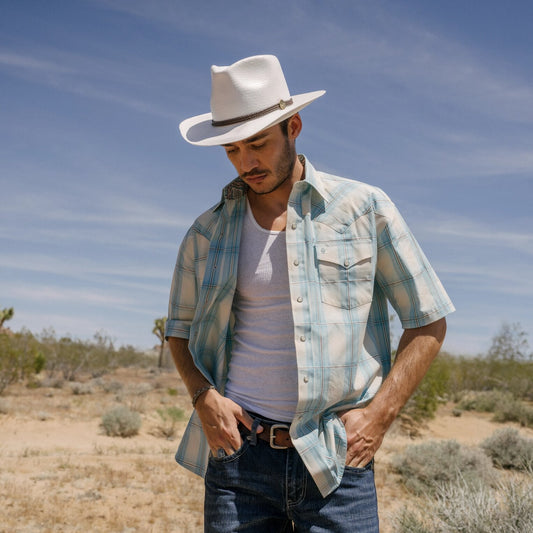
(232, 457)
(360, 470)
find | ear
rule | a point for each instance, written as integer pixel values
(295, 126)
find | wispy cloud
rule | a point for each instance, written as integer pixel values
(24, 62)
(52, 294)
(96, 78)
(461, 229)
(80, 268)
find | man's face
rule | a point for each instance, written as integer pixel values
(264, 161)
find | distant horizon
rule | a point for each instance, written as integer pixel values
(430, 101)
(156, 345)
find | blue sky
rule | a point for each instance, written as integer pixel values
(431, 101)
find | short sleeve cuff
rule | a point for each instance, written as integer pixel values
(428, 318)
(177, 328)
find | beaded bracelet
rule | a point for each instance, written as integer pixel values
(199, 392)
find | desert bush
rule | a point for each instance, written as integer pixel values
(121, 422)
(128, 356)
(456, 507)
(18, 355)
(431, 391)
(112, 386)
(484, 374)
(485, 401)
(169, 419)
(5, 407)
(424, 467)
(515, 411)
(139, 389)
(508, 449)
(510, 344)
(79, 389)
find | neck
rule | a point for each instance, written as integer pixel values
(270, 210)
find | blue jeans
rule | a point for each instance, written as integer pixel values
(259, 489)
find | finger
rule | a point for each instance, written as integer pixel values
(247, 421)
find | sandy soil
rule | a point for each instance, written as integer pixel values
(60, 473)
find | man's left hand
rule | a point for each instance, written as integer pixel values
(365, 433)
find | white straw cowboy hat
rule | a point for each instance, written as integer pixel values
(246, 98)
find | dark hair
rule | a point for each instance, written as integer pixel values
(285, 127)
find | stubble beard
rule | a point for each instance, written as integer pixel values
(283, 171)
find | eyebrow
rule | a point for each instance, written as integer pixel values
(251, 140)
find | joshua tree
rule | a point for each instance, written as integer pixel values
(6, 314)
(159, 332)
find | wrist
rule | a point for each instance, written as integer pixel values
(382, 411)
(199, 393)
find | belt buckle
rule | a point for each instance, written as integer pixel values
(273, 429)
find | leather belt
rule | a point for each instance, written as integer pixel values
(277, 435)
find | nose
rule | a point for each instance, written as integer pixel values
(248, 160)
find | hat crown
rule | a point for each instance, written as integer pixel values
(247, 87)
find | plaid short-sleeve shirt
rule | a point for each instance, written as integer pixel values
(348, 252)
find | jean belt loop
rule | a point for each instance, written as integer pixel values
(253, 435)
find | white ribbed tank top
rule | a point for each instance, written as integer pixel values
(263, 373)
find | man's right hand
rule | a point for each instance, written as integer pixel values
(220, 418)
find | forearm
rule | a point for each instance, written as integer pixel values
(219, 416)
(366, 427)
(416, 351)
(194, 380)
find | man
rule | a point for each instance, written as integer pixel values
(278, 321)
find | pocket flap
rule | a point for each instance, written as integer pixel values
(345, 253)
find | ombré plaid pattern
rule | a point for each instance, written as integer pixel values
(348, 252)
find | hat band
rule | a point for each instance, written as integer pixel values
(282, 104)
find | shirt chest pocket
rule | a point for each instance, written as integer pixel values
(345, 271)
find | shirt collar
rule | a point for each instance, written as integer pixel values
(236, 189)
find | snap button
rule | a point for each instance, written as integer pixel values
(306, 379)
(296, 262)
(346, 263)
(294, 225)
(299, 299)
(302, 338)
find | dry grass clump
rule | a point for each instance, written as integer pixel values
(503, 404)
(458, 489)
(121, 421)
(508, 449)
(506, 508)
(424, 467)
(170, 417)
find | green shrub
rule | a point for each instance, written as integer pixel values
(39, 362)
(485, 401)
(424, 467)
(483, 374)
(508, 449)
(515, 411)
(121, 422)
(431, 391)
(17, 356)
(170, 416)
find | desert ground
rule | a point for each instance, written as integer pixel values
(61, 473)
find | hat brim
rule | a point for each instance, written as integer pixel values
(200, 131)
